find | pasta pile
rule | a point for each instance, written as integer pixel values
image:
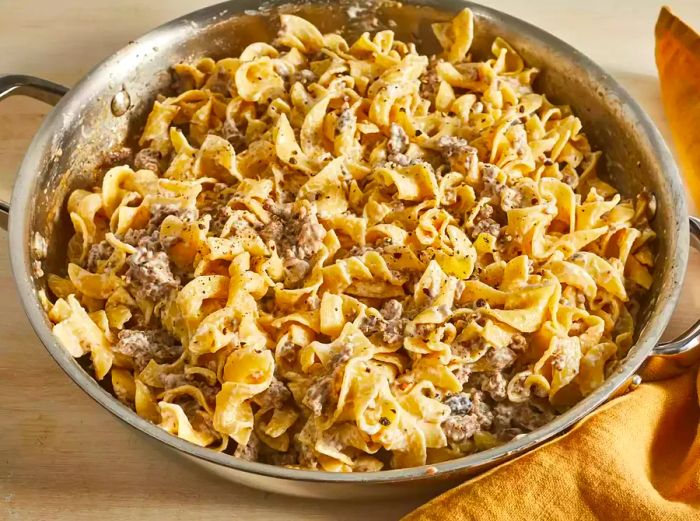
(354, 257)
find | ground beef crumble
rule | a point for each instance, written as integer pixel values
(482, 410)
(249, 451)
(309, 241)
(296, 235)
(319, 395)
(160, 211)
(283, 459)
(459, 428)
(287, 352)
(149, 238)
(346, 119)
(468, 348)
(390, 325)
(295, 271)
(397, 145)
(518, 343)
(463, 373)
(141, 237)
(429, 81)
(98, 252)
(220, 217)
(459, 404)
(495, 384)
(275, 396)
(307, 456)
(322, 393)
(501, 195)
(500, 358)
(452, 146)
(488, 410)
(304, 76)
(511, 199)
(117, 157)
(392, 310)
(231, 133)
(458, 153)
(148, 159)
(146, 345)
(393, 332)
(149, 276)
(202, 422)
(483, 223)
(510, 419)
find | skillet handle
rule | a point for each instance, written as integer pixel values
(691, 338)
(42, 90)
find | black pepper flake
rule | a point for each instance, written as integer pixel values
(480, 303)
(426, 291)
(419, 133)
(393, 410)
(396, 255)
(548, 162)
(368, 370)
(385, 421)
(293, 160)
(402, 109)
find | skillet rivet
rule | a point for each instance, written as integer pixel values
(121, 102)
(635, 382)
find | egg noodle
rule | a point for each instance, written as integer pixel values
(354, 257)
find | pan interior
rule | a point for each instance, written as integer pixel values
(72, 146)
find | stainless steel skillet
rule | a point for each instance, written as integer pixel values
(90, 119)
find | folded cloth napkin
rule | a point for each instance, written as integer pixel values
(638, 456)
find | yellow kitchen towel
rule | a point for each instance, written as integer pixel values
(638, 456)
(678, 62)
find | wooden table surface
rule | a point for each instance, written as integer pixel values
(62, 457)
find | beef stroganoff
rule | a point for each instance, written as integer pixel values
(353, 257)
